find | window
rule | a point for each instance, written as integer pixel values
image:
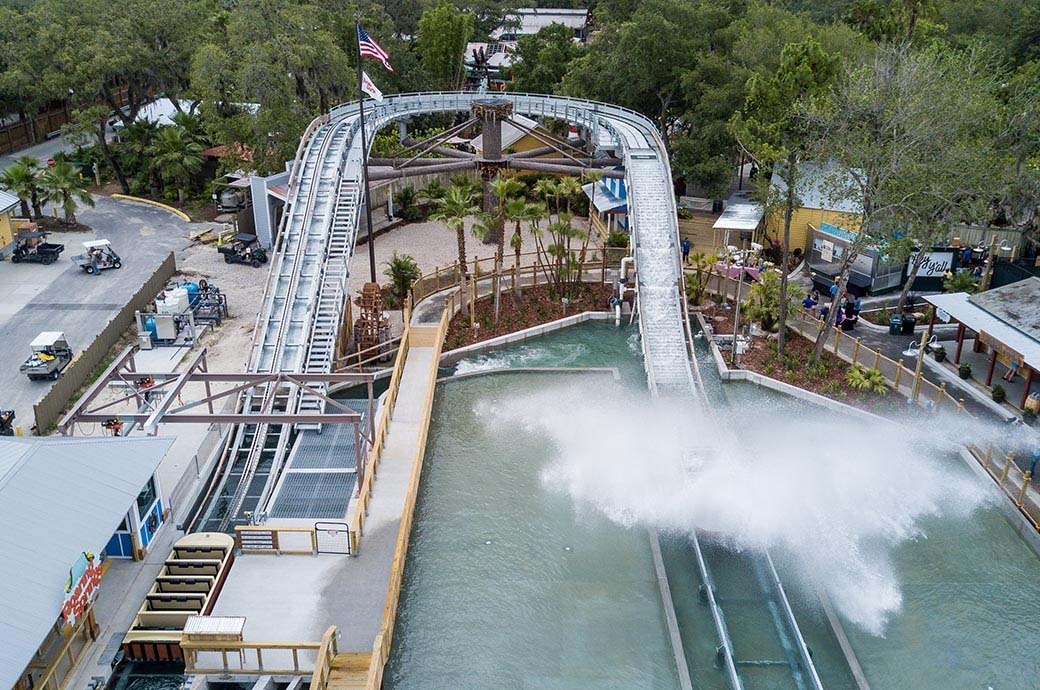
(146, 498)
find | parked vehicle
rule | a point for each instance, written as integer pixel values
(32, 246)
(50, 355)
(99, 257)
(244, 249)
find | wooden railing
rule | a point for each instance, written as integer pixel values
(275, 539)
(359, 359)
(357, 521)
(381, 648)
(248, 657)
(323, 664)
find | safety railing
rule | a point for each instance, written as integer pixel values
(282, 658)
(383, 641)
(375, 449)
(278, 539)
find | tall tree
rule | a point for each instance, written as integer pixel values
(63, 185)
(452, 209)
(772, 133)
(176, 157)
(881, 131)
(443, 34)
(541, 60)
(22, 179)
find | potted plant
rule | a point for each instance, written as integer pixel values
(940, 353)
(999, 395)
(964, 371)
(1029, 416)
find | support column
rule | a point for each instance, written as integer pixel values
(960, 343)
(491, 112)
(931, 322)
(1025, 391)
(992, 365)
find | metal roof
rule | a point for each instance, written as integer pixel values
(58, 498)
(7, 201)
(960, 306)
(96, 244)
(604, 199)
(531, 20)
(47, 339)
(812, 188)
(741, 214)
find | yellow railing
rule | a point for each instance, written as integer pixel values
(381, 648)
(248, 657)
(323, 665)
(357, 521)
(269, 539)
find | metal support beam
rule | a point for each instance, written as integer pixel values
(425, 170)
(152, 423)
(560, 169)
(127, 355)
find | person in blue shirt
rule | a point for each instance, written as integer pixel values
(685, 250)
(966, 256)
(857, 306)
(808, 303)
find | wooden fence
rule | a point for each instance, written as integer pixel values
(283, 658)
(87, 362)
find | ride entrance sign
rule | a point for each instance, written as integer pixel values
(81, 588)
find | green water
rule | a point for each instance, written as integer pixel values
(507, 585)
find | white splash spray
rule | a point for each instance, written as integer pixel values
(832, 495)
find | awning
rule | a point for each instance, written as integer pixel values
(740, 214)
(961, 309)
(604, 200)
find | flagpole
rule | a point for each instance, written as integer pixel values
(364, 151)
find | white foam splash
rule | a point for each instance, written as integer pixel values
(831, 495)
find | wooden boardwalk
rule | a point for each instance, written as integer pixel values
(349, 671)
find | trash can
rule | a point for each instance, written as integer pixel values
(895, 325)
(909, 321)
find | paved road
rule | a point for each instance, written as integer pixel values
(62, 297)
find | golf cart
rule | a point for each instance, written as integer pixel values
(99, 256)
(243, 248)
(32, 246)
(50, 355)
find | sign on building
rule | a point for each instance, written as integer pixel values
(81, 589)
(935, 264)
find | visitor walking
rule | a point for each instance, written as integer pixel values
(685, 250)
(809, 303)
(1012, 371)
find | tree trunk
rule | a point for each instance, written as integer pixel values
(26, 213)
(111, 159)
(516, 266)
(918, 260)
(781, 337)
(843, 281)
(460, 237)
(180, 194)
(153, 182)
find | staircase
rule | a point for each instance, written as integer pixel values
(349, 671)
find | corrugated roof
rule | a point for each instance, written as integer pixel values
(959, 306)
(604, 198)
(740, 214)
(530, 20)
(1017, 305)
(812, 188)
(58, 498)
(7, 201)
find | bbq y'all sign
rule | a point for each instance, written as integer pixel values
(81, 588)
(934, 264)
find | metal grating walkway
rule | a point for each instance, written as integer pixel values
(319, 495)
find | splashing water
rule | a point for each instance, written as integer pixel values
(522, 356)
(826, 493)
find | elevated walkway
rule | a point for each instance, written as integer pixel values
(349, 671)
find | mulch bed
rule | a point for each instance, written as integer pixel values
(52, 224)
(537, 305)
(826, 378)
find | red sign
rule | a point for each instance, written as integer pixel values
(82, 587)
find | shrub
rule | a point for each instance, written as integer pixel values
(402, 271)
(617, 238)
(863, 379)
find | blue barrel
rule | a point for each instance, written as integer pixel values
(193, 292)
(149, 325)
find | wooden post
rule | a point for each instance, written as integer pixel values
(919, 371)
(1028, 386)
(960, 343)
(1007, 466)
(855, 351)
(437, 278)
(931, 321)
(837, 338)
(960, 405)
(899, 374)
(1025, 484)
(940, 395)
(877, 359)
(992, 365)
(987, 457)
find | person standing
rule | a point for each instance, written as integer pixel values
(685, 250)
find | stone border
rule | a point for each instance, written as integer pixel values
(453, 356)
(181, 214)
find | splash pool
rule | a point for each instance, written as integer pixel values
(519, 575)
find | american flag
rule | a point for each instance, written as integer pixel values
(370, 48)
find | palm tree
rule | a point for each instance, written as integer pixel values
(20, 180)
(63, 184)
(567, 187)
(139, 139)
(593, 175)
(545, 188)
(176, 156)
(452, 209)
(504, 188)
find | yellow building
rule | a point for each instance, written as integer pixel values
(816, 208)
(514, 139)
(8, 204)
